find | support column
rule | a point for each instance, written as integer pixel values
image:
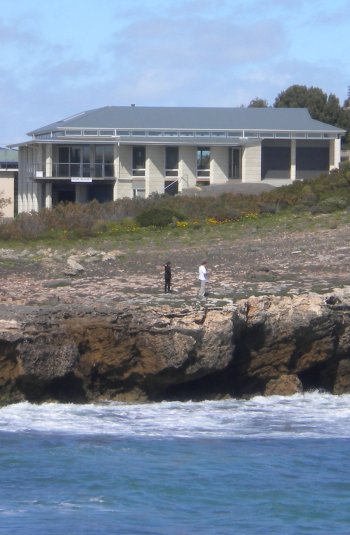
(251, 163)
(48, 160)
(293, 160)
(48, 195)
(116, 170)
(334, 154)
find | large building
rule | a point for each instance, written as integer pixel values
(130, 151)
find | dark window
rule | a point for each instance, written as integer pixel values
(138, 161)
(234, 164)
(276, 160)
(73, 161)
(312, 158)
(203, 162)
(171, 161)
(104, 166)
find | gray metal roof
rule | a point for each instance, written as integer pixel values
(187, 118)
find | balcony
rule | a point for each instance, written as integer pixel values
(74, 170)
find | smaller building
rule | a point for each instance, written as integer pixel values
(9, 180)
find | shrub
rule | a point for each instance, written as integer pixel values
(331, 204)
(158, 217)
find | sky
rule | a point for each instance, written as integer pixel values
(61, 57)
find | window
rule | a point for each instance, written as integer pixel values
(203, 134)
(171, 161)
(138, 161)
(266, 134)
(73, 161)
(104, 161)
(203, 162)
(216, 133)
(234, 163)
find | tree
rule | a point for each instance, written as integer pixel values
(258, 103)
(322, 107)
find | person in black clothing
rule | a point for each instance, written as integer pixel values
(167, 277)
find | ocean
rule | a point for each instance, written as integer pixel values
(269, 465)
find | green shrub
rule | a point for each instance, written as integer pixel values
(158, 217)
(329, 205)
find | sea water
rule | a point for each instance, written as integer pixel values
(264, 466)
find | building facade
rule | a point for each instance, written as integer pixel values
(130, 151)
(9, 180)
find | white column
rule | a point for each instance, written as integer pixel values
(116, 171)
(293, 159)
(48, 160)
(48, 195)
(334, 154)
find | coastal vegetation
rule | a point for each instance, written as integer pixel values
(132, 218)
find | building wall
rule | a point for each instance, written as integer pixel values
(187, 167)
(7, 192)
(251, 163)
(125, 161)
(218, 165)
(154, 169)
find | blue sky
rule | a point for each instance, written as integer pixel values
(62, 57)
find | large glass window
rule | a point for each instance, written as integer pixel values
(104, 161)
(138, 161)
(73, 161)
(171, 161)
(203, 162)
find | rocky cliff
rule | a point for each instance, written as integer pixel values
(261, 345)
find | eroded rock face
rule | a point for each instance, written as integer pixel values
(265, 345)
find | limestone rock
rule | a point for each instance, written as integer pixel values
(261, 345)
(285, 385)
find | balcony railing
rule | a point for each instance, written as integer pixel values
(96, 170)
(69, 170)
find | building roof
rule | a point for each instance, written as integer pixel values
(188, 118)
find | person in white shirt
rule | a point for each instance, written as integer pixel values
(203, 278)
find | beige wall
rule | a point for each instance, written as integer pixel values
(154, 169)
(125, 155)
(251, 163)
(218, 165)
(7, 192)
(187, 167)
(124, 188)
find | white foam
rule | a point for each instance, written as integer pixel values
(311, 415)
